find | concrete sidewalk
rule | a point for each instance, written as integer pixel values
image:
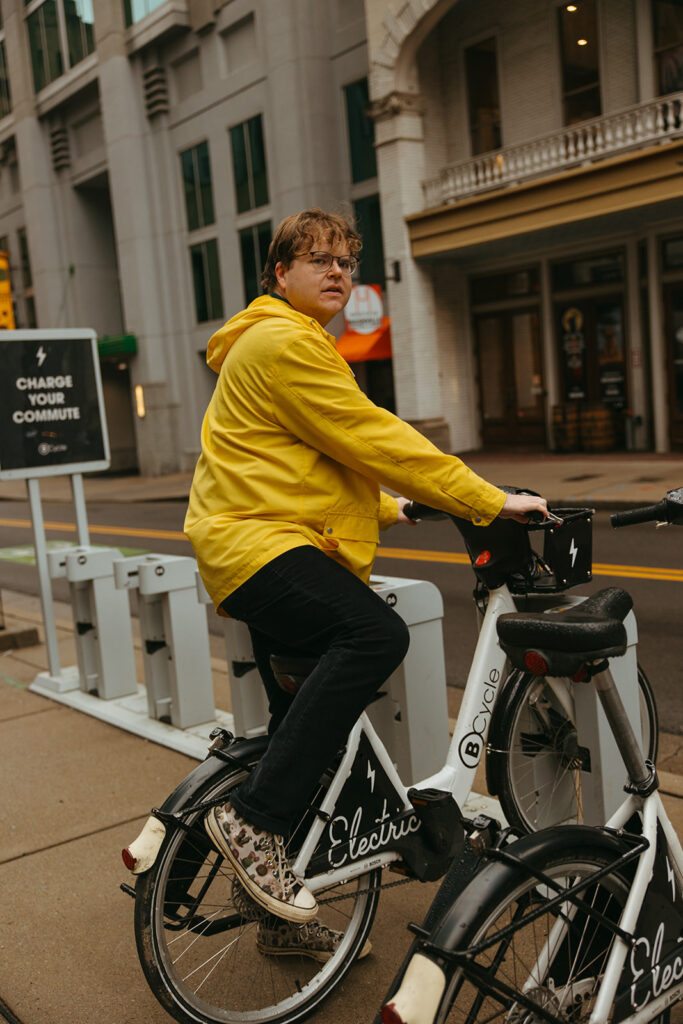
(75, 791)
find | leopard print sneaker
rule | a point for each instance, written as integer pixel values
(259, 862)
(280, 938)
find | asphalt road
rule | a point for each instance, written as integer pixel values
(638, 559)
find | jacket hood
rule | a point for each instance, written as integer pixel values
(263, 308)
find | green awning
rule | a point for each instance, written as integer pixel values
(117, 345)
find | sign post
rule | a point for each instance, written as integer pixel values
(52, 423)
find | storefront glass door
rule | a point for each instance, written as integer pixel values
(592, 355)
(510, 377)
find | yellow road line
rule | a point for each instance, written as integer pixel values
(110, 531)
(408, 554)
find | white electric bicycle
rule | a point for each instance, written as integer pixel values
(196, 930)
(570, 924)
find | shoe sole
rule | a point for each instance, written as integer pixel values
(313, 954)
(277, 907)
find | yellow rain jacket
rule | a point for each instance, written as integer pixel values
(293, 453)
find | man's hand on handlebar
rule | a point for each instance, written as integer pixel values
(402, 517)
(519, 507)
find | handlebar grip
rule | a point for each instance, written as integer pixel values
(647, 514)
(415, 510)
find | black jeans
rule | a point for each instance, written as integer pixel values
(304, 602)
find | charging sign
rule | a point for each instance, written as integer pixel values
(52, 418)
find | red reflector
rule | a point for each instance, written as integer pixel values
(128, 859)
(535, 663)
(581, 676)
(482, 558)
(390, 1016)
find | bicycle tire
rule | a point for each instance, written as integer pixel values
(529, 761)
(198, 952)
(500, 894)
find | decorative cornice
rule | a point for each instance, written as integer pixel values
(395, 103)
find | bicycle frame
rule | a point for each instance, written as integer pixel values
(456, 777)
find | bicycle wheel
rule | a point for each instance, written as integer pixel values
(196, 934)
(555, 960)
(534, 759)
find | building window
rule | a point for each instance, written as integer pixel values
(60, 34)
(5, 98)
(196, 170)
(580, 61)
(249, 164)
(361, 131)
(207, 281)
(79, 18)
(254, 242)
(369, 224)
(668, 35)
(136, 10)
(483, 99)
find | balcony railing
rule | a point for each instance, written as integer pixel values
(648, 123)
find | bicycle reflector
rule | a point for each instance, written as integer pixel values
(482, 558)
(128, 859)
(390, 1016)
(536, 663)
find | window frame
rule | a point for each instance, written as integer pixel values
(467, 45)
(254, 202)
(258, 253)
(213, 312)
(564, 93)
(201, 211)
(658, 50)
(34, 7)
(350, 135)
(5, 93)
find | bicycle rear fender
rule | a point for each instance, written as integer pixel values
(141, 854)
(498, 730)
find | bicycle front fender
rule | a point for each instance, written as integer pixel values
(142, 853)
(498, 877)
(429, 965)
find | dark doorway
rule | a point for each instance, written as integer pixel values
(673, 307)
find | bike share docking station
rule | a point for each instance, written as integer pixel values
(411, 711)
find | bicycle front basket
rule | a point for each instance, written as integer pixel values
(568, 548)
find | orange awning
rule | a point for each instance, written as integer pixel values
(359, 348)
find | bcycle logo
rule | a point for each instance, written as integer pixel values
(472, 744)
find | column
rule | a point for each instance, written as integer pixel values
(151, 279)
(635, 365)
(400, 165)
(657, 350)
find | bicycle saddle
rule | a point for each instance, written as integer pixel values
(560, 643)
(291, 671)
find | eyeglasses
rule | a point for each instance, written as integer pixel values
(322, 261)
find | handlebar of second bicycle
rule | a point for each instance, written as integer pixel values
(668, 510)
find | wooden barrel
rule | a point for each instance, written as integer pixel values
(598, 428)
(566, 427)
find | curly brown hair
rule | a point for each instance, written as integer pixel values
(300, 233)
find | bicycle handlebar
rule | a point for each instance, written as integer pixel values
(668, 510)
(415, 510)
